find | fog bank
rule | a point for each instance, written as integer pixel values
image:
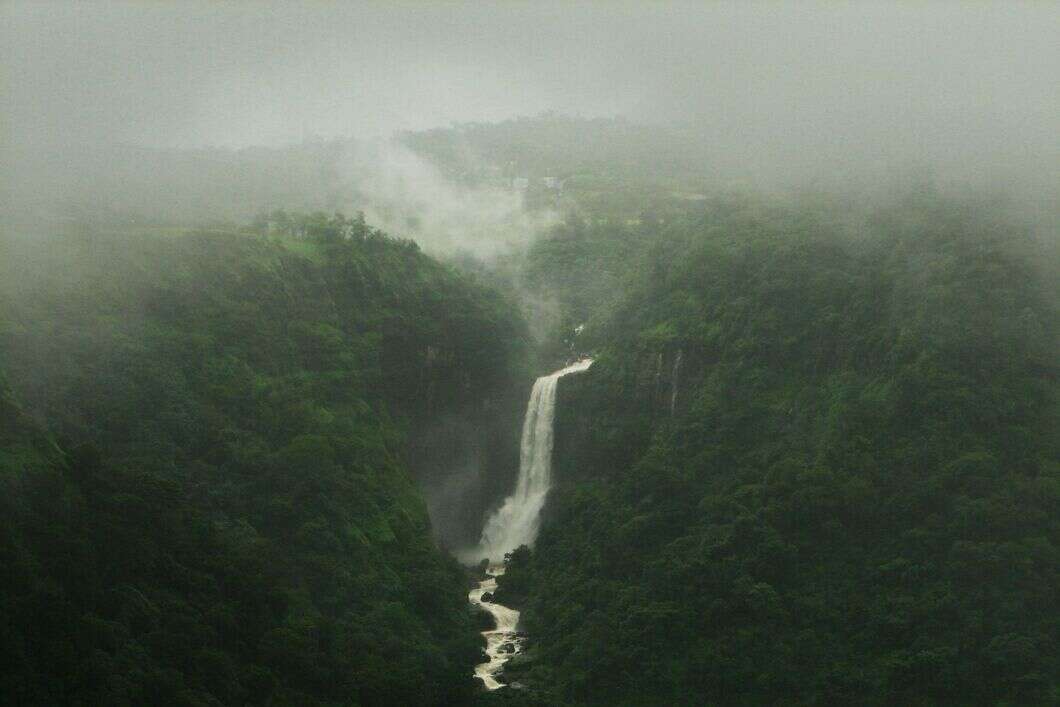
(781, 93)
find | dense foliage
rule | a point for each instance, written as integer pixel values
(604, 164)
(817, 461)
(203, 461)
(553, 144)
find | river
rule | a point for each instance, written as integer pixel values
(517, 521)
(501, 641)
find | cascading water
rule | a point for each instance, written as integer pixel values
(502, 642)
(516, 522)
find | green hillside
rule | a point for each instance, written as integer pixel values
(207, 495)
(817, 461)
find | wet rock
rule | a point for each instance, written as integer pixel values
(483, 620)
(487, 596)
(518, 663)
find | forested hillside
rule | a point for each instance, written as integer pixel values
(564, 145)
(625, 168)
(672, 354)
(817, 461)
(205, 466)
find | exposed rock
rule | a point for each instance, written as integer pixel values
(483, 620)
(519, 663)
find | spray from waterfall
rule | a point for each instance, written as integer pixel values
(517, 521)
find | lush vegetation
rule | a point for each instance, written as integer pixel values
(610, 165)
(204, 463)
(817, 461)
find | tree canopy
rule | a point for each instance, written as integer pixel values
(816, 462)
(207, 495)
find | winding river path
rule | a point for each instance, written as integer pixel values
(501, 642)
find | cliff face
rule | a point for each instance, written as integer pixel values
(623, 402)
(466, 457)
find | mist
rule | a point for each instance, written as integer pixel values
(594, 353)
(101, 101)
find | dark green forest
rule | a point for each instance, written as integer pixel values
(652, 353)
(207, 493)
(817, 460)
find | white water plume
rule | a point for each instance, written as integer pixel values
(517, 521)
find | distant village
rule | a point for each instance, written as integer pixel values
(508, 177)
(524, 183)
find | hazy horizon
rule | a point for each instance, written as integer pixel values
(780, 94)
(236, 75)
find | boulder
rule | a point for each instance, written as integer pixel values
(518, 663)
(483, 620)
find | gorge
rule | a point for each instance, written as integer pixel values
(517, 521)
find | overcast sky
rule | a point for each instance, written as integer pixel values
(237, 74)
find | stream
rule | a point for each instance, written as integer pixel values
(502, 642)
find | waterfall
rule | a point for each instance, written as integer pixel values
(516, 522)
(673, 382)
